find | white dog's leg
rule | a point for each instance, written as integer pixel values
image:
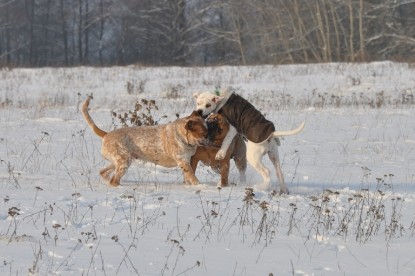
(226, 143)
(273, 155)
(254, 154)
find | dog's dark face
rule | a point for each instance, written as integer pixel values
(196, 130)
(218, 127)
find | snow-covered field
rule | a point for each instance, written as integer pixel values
(351, 174)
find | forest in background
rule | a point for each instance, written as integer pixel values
(38, 33)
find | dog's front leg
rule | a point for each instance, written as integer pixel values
(226, 143)
(188, 173)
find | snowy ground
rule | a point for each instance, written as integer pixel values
(351, 174)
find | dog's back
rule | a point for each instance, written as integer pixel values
(168, 145)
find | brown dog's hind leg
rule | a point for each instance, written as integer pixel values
(121, 168)
(239, 157)
(105, 172)
(224, 172)
(240, 163)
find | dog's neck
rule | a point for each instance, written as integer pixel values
(226, 94)
(183, 140)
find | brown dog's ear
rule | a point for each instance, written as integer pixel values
(190, 125)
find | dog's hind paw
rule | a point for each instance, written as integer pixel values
(220, 155)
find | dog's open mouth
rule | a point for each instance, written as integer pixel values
(200, 112)
(204, 142)
(208, 143)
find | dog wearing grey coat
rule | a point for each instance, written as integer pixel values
(245, 119)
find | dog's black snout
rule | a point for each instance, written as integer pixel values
(200, 112)
(210, 125)
(213, 129)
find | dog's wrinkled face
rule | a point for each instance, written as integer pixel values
(206, 103)
(218, 127)
(196, 130)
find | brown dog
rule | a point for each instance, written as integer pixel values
(218, 127)
(167, 145)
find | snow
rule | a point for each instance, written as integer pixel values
(350, 173)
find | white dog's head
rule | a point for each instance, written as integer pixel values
(206, 102)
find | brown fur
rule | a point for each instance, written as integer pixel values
(218, 127)
(167, 145)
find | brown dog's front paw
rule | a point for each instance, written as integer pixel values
(114, 182)
(192, 181)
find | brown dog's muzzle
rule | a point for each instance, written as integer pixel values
(213, 128)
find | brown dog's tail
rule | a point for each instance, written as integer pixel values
(89, 120)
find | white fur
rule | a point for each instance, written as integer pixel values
(207, 102)
(226, 143)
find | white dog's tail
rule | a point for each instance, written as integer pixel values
(280, 133)
(89, 120)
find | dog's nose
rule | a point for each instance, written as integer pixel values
(200, 111)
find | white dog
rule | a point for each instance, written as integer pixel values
(248, 121)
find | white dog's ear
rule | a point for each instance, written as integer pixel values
(217, 99)
(196, 95)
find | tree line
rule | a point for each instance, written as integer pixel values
(35, 33)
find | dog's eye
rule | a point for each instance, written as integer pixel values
(208, 105)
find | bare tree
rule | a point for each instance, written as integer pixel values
(203, 32)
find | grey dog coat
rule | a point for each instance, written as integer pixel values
(247, 120)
